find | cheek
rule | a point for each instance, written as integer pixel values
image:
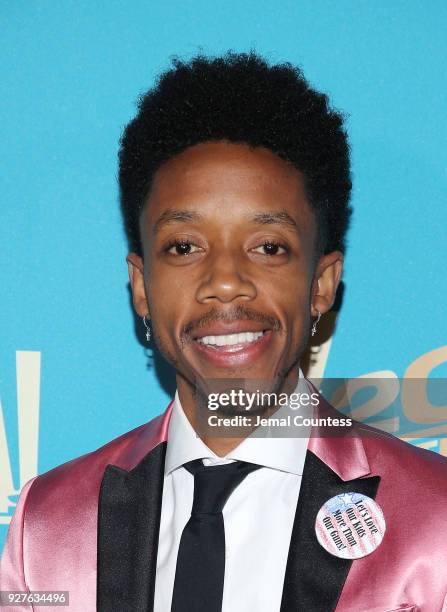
(168, 283)
(292, 293)
(167, 302)
(293, 299)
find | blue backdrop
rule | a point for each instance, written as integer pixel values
(73, 374)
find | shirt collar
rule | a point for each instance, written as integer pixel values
(285, 454)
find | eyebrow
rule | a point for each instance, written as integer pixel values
(279, 218)
(175, 216)
(183, 216)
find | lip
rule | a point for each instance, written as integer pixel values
(224, 356)
(236, 327)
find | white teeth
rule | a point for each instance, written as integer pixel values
(231, 339)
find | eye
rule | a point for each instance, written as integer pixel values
(271, 247)
(180, 247)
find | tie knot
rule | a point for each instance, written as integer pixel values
(213, 485)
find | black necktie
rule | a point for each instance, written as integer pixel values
(199, 575)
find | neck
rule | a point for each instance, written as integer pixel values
(222, 445)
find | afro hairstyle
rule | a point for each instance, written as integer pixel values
(240, 98)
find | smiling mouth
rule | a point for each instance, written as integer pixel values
(231, 342)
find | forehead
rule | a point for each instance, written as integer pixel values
(221, 179)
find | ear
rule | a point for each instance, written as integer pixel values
(136, 277)
(326, 279)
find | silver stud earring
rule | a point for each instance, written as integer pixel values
(148, 328)
(314, 326)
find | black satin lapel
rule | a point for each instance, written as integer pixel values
(314, 578)
(128, 528)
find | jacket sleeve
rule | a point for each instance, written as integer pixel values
(12, 565)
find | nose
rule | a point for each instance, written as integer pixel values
(225, 281)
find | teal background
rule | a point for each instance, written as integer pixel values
(71, 73)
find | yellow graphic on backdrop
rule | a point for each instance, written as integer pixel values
(28, 403)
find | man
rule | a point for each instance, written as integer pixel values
(235, 185)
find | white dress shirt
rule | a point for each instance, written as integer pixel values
(258, 515)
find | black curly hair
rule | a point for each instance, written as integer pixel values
(240, 98)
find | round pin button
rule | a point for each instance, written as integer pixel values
(350, 525)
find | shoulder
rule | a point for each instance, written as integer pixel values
(402, 463)
(83, 474)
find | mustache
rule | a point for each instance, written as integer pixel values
(236, 313)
